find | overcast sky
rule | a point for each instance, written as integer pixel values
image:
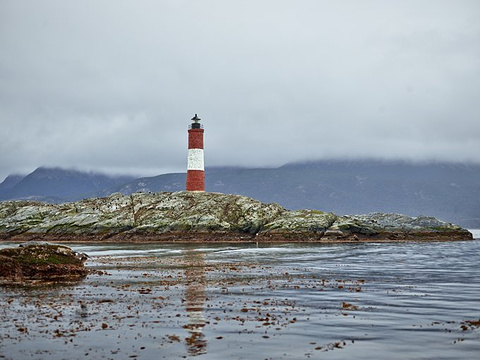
(112, 85)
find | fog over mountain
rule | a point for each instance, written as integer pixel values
(59, 185)
(110, 86)
(448, 191)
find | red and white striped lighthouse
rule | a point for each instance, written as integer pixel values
(195, 167)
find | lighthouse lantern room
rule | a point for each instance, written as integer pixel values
(195, 166)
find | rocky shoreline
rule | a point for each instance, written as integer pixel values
(184, 217)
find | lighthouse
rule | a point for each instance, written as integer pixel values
(195, 168)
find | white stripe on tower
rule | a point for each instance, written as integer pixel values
(195, 159)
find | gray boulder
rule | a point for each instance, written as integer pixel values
(393, 226)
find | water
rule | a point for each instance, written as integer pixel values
(408, 300)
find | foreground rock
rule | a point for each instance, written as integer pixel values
(41, 261)
(186, 216)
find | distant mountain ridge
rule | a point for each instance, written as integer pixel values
(56, 185)
(448, 191)
(9, 182)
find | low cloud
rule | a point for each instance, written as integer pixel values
(111, 87)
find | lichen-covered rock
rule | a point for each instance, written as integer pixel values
(190, 211)
(394, 226)
(41, 261)
(123, 216)
(200, 216)
(301, 221)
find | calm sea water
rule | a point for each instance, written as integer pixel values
(364, 301)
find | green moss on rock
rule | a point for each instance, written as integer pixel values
(40, 261)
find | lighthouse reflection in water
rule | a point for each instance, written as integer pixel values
(399, 300)
(195, 300)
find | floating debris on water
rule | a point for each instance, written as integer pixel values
(233, 302)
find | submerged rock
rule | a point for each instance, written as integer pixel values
(200, 216)
(41, 261)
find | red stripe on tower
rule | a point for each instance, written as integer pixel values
(195, 167)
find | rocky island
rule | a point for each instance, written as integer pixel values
(205, 217)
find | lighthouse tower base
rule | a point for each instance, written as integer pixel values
(195, 180)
